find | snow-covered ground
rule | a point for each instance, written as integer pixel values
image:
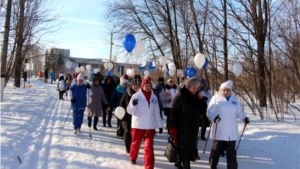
(31, 129)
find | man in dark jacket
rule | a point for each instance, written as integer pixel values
(159, 87)
(108, 88)
(126, 121)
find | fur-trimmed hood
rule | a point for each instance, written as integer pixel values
(188, 95)
(169, 87)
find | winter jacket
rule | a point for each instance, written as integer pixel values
(228, 111)
(108, 88)
(124, 103)
(51, 74)
(80, 94)
(116, 96)
(62, 85)
(173, 92)
(98, 97)
(186, 109)
(144, 116)
(158, 89)
(206, 93)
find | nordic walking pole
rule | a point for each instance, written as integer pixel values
(213, 147)
(207, 138)
(67, 117)
(241, 137)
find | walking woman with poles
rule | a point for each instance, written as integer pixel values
(223, 110)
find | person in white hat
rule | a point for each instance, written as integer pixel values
(78, 94)
(223, 110)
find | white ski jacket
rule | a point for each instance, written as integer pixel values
(143, 115)
(228, 111)
(173, 93)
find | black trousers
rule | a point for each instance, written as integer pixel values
(61, 94)
(230, 154)
(96, 118)
(127, 135)
(104, 116)
(167, 112)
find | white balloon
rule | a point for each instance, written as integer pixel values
(77, 69)
(81, 68)
(88, 67)
(163, 60)
(171, 72)
(114, 59)
(120, 112)
(110, 66)
(146, 73)
(68, 64)
(237, 69)
(199, 60)
(106, 65)
(88, 100)
(139, 48)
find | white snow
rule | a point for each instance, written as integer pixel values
(31, 129)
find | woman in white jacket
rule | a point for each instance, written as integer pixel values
(171, 88)
(144, 108)
(224, 109)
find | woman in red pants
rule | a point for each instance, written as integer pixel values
(144, 108)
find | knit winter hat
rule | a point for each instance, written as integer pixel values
(170, 80)
(95, 79)
(80, 77)
(228, 84)
(124, 79)
(135, 82)
(146, 80)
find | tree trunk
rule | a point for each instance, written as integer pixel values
(225, 48)
(20, 42)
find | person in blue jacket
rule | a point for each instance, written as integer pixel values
(51, 74)
(117, 95)
(78, 95)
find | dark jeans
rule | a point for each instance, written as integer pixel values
(61, 93)
(104, 116)
(230, 154)
(95, 121)
(127, 135)
(167, 112)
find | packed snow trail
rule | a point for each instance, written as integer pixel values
(31, 128)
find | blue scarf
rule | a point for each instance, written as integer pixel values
(121, 89)
(227, 98)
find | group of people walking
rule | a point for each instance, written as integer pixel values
(187, 108)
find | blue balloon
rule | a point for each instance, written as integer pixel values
(150, 64)
(167, 72)
(108, 73)
(191, 72)
(186, 70)
(206, 63)
(118, 69)
(129, 42)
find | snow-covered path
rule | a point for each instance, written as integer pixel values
(31, 128)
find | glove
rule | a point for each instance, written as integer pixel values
(205, 98)
(135, 102)
(217, 119)
(88, 86)
(73, 100)
(173, 132)
(246, 120)
(107, 110)
(160, 130)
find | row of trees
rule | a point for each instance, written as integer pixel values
(262, 35)
(26, 22)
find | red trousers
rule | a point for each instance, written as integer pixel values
(137, 136)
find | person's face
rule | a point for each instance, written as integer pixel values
(116, 79)
(80, 82)
(135, 87)
(161, 82)
(225, 92)
(194, 89)
(108, 80)
(147, 87)
(171, 83)
(97, 82)
(125, 85)
(201, 85)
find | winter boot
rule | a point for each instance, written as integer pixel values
(95, 122)
(75, 131)
(89, 121)
(78, 131)
(133, 162)
(178, 165)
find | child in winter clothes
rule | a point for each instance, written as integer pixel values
(94, 109)
(51, 74)
(61, 87)
(126, 121)
(78, 95)
(144, 108)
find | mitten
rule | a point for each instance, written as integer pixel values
(217, 119)
(88, 86)
(107, 110)
(160, 130)
(246, 120)
(73, 100)
(135, 102)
